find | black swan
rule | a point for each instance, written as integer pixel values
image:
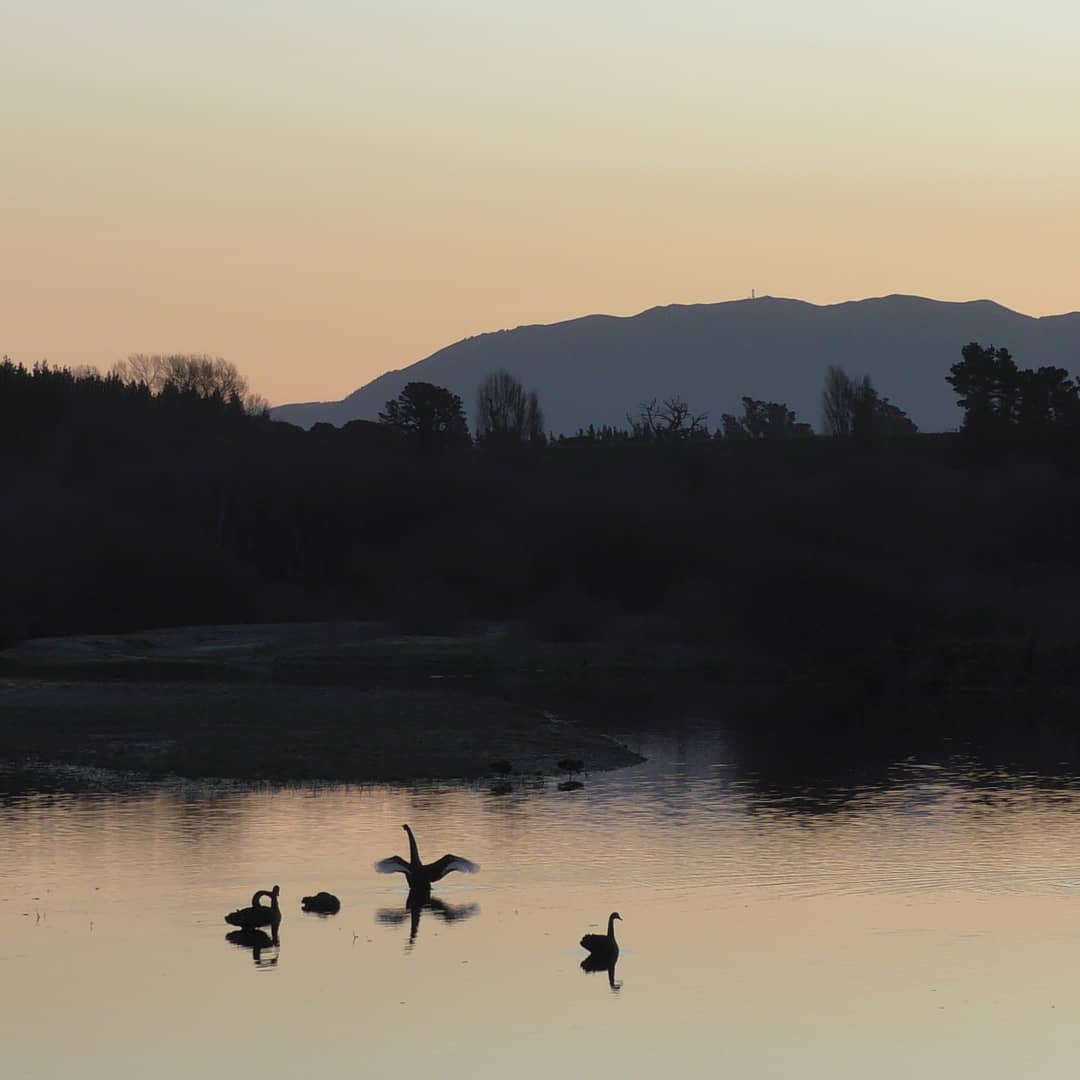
(322, 903)
(603, 947)
(419, 876)
(251, 918)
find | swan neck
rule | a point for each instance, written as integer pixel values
(414, 853)
(611, 927)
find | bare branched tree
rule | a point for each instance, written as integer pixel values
(534, 419)
(505, 412)
(669, 419)
(256, 405)
(203, 375)
(142, 370)
(853, 408)
(838, 403)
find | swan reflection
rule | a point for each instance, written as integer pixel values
(257, 941)
(419, 902)
(592, 964)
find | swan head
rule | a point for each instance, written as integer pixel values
(406, 828)
(616, 915)
(275, 892)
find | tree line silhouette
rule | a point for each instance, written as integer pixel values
(163, 494)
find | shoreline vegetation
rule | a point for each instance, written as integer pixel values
(405, 598)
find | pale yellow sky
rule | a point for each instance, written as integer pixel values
(322, 193)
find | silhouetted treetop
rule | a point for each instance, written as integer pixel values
(763, 420)
(1003, 401)
(427, 416)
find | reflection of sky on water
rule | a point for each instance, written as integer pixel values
(920, 922)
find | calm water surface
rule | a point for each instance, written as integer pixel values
(929, 925)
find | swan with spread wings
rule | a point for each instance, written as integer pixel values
(420, 876)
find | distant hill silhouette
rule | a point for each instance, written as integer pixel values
(596, 369)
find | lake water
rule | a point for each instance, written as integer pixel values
(927, 924)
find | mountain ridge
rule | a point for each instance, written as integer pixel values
(598, 368)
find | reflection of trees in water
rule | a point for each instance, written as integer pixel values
(258, 941)
(816, 752)
(416, 905)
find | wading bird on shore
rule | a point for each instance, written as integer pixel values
(420, 876)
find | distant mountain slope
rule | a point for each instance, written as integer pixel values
(599, 368)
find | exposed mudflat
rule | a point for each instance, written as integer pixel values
(280, 703)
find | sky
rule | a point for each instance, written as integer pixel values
(323, 192)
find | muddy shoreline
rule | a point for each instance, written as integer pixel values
(356, 702)
(286, 703)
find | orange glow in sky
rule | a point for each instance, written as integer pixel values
(320, 196)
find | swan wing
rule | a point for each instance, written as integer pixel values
(595, 942)
(447, 864)
(394, 865)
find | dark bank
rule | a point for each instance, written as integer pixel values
(465, 588)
